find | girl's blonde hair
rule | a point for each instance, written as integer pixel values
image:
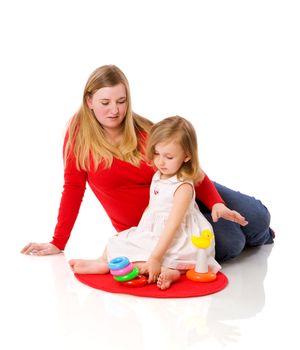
(86, 140)
(181, 131)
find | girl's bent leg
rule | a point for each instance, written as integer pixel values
(258, 231)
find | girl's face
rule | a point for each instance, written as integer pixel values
(168, 158)
(109, 105)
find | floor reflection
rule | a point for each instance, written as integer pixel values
(137, 323)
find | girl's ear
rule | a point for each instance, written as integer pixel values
(186, 159)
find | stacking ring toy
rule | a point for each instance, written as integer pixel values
(118, 263)
(123, 271)
(139, 281)
(129, 276)
(202, 272)
(201, 277)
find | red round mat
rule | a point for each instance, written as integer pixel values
(183, 288)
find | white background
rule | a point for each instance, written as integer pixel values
(231, 67)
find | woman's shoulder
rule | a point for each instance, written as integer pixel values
(142, 123)
(142, 137)
(142, 134)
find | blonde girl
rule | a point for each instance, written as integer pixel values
(161, 244)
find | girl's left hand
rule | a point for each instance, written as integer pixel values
(219, 210)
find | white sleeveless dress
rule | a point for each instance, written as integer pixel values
(138, 242)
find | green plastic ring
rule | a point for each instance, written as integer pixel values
(129, 276)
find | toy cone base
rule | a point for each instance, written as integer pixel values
(201, 276)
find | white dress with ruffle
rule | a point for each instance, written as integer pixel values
(138, 242)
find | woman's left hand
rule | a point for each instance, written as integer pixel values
(219, 210)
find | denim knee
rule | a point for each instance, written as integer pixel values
(257, 231)
(229, 239)
(253, 209)
(229, 247)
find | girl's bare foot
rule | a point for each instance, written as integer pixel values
(141, 265)
(98, 266)
(167, 277)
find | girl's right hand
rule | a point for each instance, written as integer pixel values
(40, 249)
(153, 268)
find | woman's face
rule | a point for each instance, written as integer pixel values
(109, 105)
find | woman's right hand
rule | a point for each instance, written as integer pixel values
(40, 249)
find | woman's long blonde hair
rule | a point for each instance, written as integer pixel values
(179, 130)
(86, 140)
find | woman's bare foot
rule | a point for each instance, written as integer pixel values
(98, 266)
(167, 277)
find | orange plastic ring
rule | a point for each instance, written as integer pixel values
(201, 277)
(139, 281)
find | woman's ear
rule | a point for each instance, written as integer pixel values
(89, 101)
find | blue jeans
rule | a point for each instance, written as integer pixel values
(231, 238)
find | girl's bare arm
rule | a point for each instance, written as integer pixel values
(181, 201)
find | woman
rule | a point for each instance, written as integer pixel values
(105, 146)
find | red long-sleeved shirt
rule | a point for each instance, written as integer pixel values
(123, 191)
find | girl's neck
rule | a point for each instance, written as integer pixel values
(165, 177)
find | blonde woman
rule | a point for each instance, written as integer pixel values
(105, 147)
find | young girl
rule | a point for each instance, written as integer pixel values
(161, 243)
